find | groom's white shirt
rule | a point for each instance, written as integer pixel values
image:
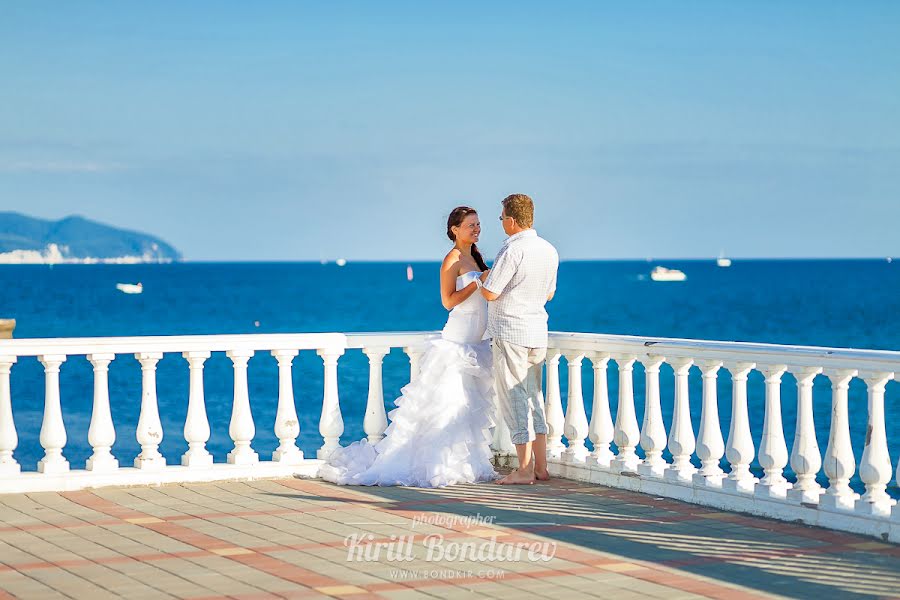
(524, 276)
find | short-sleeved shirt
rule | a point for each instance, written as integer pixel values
(524, 276)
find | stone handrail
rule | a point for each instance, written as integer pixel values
(836, 506)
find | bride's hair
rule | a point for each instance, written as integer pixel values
(457, 216)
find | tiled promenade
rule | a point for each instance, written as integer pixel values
(286, 538)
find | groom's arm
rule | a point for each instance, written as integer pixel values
(501, 273)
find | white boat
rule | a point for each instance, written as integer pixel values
(722, 261)
(130, 288)
(664, 274)
(409, 273)
(341, 262)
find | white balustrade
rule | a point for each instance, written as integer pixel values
(681, 435)
(8, 437)
(415, 355)
(149, 429)
(53, 430)
(375, 421)
(773, 453)
(196, 424)
(331, 424)
(601, 430)
(875, 468)
(840, 464)
(653, 430)
(806, 460)
(627, 434)
(287, 425)
(875, 513)
(576, 424)
(241, 429)
(739, 447)
(102, 432)
(553, 411)
(710, 445)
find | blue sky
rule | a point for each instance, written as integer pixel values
(308, 130)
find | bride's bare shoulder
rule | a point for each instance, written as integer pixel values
(451, 260)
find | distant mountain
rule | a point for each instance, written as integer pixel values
(24, 239)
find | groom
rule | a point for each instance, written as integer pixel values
(521, 282)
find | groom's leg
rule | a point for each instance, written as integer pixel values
(536, 357)
(511, 375)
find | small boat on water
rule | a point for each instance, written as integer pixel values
(409, 273)
(130, 288)
(723, 261)
(341, 262)
(664, 274)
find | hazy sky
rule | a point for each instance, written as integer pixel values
(305, 130)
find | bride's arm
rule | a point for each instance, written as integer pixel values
(450, 297)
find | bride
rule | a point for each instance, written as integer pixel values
(439, 432)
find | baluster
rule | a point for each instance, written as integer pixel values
(8, 438)
(241, 429)
(773, 453)
(101, 433)
(875, 467)
(739, 448)
(331, 424)
(681, 435)
(653, 430)
(53, 430)
(806, 460)
(840, 464)
(627, 434)
(553, 410)
(601, 428)
(149, 428)
(576, 423)
(415, 354)
(196, 425)
(710, 445)
(287, 426)
(375, 421)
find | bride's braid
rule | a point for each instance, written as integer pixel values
(457, 215)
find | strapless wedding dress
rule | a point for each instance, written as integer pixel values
(439, 432)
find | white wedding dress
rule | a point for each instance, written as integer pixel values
(439, 433)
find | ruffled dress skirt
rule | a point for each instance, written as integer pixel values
(439, 434)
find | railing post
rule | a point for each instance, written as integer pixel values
(53, 430)
(331, 424)
(739, 448)
(576, 423)
(653, 430)
(806, 460)
(627, 434)
(149, 429)
(600, 429)
(8, 438)
(710, 445)
(375, 421)
(102, 432)
(553, 409)
(681, 435)
(840, 464)
(415, 354)
(241, 429)
(196, 424)
(773, 453)
(875, 468)
(287, 425)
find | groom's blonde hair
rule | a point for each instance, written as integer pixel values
(521, 208)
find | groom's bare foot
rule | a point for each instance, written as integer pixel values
(542, 475)
(517, 477)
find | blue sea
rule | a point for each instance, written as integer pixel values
(843, 303)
